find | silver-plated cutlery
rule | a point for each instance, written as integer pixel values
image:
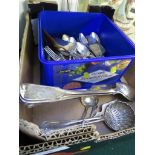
(32, 94)
(71, 49)
(117, 115)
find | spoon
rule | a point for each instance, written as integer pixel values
(83, 50)
(117, 116)
(33, 94)
(89, 102)
(52, 54)
(65, 37)
(73, 51)
(83, 39)
(72, 40)
(58, 44)
(93, 38)
(97, 49)
(94, 45)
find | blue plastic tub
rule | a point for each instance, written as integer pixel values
(70, 74)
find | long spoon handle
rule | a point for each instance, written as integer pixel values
(33, 94)
(62, 124)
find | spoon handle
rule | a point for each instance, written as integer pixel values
(91, 92)
(47, 126)
(92, 111)
(84, 112)
(35, 94)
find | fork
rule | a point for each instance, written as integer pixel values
(52, 54)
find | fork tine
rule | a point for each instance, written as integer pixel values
(52, 54)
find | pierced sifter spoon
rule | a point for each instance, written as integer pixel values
(117, 116)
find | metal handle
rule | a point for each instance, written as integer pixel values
(34, 94)
(90, 92)
(84, 112)
(62, 124)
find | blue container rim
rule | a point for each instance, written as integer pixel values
(86, 60)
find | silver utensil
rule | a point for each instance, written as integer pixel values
(62, 57)
(33, 94)
(83, 39)
(52, 54)
(94, 45)
(117, 116)
(65, 37)
(73, 52)
(102, 107)
(94, 38)
(58, 44)
(92, 42)
(72, 40)
(89, 102)
(97, 49)
(49, 126)
(83, 50)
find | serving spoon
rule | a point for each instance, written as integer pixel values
(34, 94)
